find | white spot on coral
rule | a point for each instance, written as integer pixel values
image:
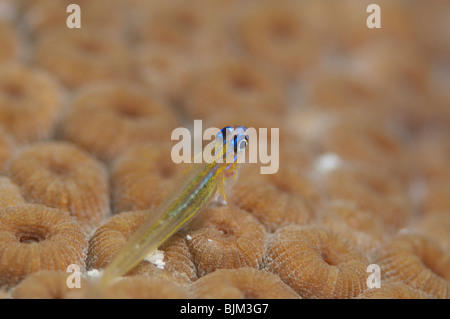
(93, 273)
(210, 240)
(404, 231)
(188, 237)
(156, 257)
(327, 162)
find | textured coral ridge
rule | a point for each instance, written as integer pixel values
(86, 117)
(316, 263)
(63, 176)
(35, 237)
(395, 290)
(104, 109)
(417, 261)
(242, 283)
(141, 177)
(30, 102)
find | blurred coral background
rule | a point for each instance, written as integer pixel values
(364, 116)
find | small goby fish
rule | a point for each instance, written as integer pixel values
(196, 189)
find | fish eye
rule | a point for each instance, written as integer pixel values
(243, 144)
(235, 136)
(239, 146)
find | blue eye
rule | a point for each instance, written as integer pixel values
(235, 136)
(243, 144)
(239, 142)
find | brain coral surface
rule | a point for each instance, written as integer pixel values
(363, 180)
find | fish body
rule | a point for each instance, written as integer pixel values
(193, 192)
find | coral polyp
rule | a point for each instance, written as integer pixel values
(417, 261)
(112, 236)
(80, 56)
(316, 262)
(30, 101)
(242, 283)
(118, 114)
(434, 226)
(46, 284)
(276, 34)
(141, 287)
(35, 237)
(7, 147)
(273, 204)
(9, 43)
(60, 175)
(395, 290)
(142, 176)
(9, 193)
(239, 89)
(225, 237)
(359, 227)
(371, 189)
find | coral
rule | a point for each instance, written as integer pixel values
(316, 262)
(276, 35)
(435, 226)
(395, 290)
(417, 261)
(336, 90)
(431, 28)
(77, 57)
(371, 189)
(60, 175)
(360, 228)
(46, 285)
(178, 259)
(35, 237)
(242, 283)
(233, 90)
(142, 176)
(165, 70)
(110, 238)
(44, 16)
(348, 36)
(140, 287)
(437, 197)
(9, 193)
(354, 138)
(294, 182)
(7, 147)
(431, 155)
(192, 29)
(275, 200)
(118, 115)
(9, 10)
(30, 101)
(358, 128)
(8, 42)
(404, 66)
(225, 237)
(4, 294)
